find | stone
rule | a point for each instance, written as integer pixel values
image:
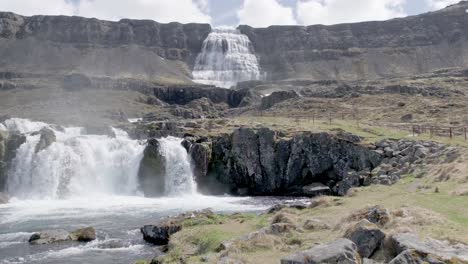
(407, 118)
(374, 214)
(160, 234)
(416, 257)
(84, 234)
(47, 137)
(280, 228)
(342, 251)
(152, 170)
(315, 225)
(367, 237)
(442, 249)
(49, 237)
(200, 153)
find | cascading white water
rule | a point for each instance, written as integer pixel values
(74, 165)
(179, 176)
(227, 58)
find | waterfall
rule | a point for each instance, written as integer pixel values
(227, 58)
(179, 175)
(74, 165)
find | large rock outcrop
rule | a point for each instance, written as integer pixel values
(260, 162)
(9, 144)
(152, 170)
(367, 50)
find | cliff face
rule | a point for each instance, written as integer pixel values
(366, 50)
(140, 48)
(166, 52)
(260, 163)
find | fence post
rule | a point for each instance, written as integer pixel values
(413, 131)
(451, 133)
(330, 118)
(464, 130)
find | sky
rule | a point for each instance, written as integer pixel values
(257, 13)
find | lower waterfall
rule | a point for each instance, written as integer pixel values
(75, 164)
(179, 176)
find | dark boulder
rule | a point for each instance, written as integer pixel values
(83, 234)
(341, 251)
(46, 139)
(200, 153)
(159, 234)
(152, 170)
(367, 237)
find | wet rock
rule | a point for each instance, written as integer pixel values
(160, 234)
(340, 251)
(152, 170)
(200, 153)
(13, 143)
(367, 237)
(46, 139)
(83, 235)
(49, 237)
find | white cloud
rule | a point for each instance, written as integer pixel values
(439, 4)
(184, 11)
(35, 7)
(329, 12)
(263, 13)
(164, 11)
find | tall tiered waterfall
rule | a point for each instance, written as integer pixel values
(227, 58)
(77, 164)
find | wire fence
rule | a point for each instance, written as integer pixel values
(459, 132)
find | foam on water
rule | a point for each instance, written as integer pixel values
(74, 165)
(227, 58)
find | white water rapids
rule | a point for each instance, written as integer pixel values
(92, 180)
(227, 58)
(74, 165)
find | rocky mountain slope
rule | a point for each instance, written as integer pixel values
(365, 50)
(132, 48)
(166, 52)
